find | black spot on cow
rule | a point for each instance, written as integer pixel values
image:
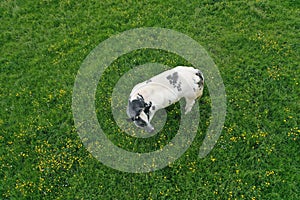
(173, 78)
(153, 107)
(148, 81)
(179, 87)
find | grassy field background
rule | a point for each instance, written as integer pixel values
(255, 45)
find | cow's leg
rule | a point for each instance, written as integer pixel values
(189, 104)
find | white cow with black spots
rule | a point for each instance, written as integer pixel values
(163, 90)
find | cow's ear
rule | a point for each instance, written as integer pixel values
(140, 97)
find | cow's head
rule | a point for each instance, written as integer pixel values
(138, 112)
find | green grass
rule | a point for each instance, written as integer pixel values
(255, 45)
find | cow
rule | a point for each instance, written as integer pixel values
(163, 90)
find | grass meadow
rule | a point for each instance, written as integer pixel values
(255, 45)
